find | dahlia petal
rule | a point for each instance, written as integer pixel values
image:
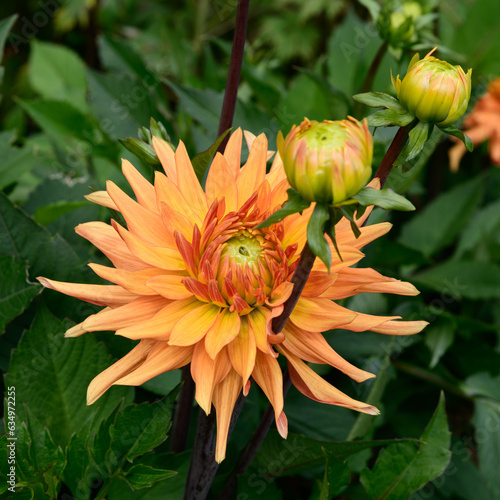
(267, 374)
(280, 294)
(101, 198)
(317, 284)
(133, 281)
(309, 383)
(202, 371)
(400, 327)
(141, 222)
(166, 156)
(320, 315)
(282, 425)
(101, 295)
(220, 183)
(164, 258)
(160, 326)
(143, 190)
(186, 251)
(242, 351)
(232, 152)
(368, 234)
(137, 311)
(312, 347)
(108, 241)
(200, 290)
(224, 398)
(122, 367)
(258, 320)
(188, 183)
(455, 154)
(223, 331)
(192, 327)
(254, 171)
(278, 191)
(162, 358)
(169, 285)
(176, 221)
(168, 192)
(354, 280)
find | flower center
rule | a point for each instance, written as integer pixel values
(243, 248)
(331, 135)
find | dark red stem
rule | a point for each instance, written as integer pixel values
(180, 428)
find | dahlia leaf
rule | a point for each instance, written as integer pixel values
(379, 99)
(142, 150)
(295, 204)
(44, 355)
(316, 234)
(16, 291)
(455, 132)
(417, 137)
(389, 117)
(442, 220)
(202, 160)
(145, 427)
(143, 476)
(336, 477)
(383, 198)
(301, 452)
(403, 468)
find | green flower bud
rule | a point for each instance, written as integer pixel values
(327, 162)
(434, 90)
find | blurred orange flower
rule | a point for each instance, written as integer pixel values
(483, 123)
(195, 282)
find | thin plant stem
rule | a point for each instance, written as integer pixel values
(299, 279)
(234, 72)
(182, 418)
(397, 145)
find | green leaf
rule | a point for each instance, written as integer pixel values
(140, 428)
(316, 234)
(373, 8)
(5, 27)
(142, 476)
(462, 279)
(52, 374)
(15, 161)
(389, 117)
(23, 238)
(455, 132)
(438, 338)
(143, 151)
(383, 198)
(404, 468)
(16, 291)
(294, 204)
(78, 134)
(487, 423)
(379, 99)
(298, 452)
(202, 160)
(56, 72)
(416, 141)
(443, 219)
(483, 385)
(49, 213)
(336, 477)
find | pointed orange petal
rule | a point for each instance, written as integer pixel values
(160, 326)
(164, 258)
(143, 190)
(122, 367)
(253, 173)
(258, 320)
(202, 371)
(242, 351)
(101, 198)
(220, 183)
(223, 331)
(309, 383)
(169, 285)
(137, 311)
(232, 153)
(312, 347)
(133, 281)
(400, 327)
(318, 282)
(192, 327)
(368, 234)
(102, 295)
(141, 222)
(166, 156)
(188, 183)
(224, 398)
(176, 221)
(162, 358)
(108, 241)
(267, 373)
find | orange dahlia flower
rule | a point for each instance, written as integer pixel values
(195, 282)
(482, 123)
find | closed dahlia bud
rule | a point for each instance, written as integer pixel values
(434, 90)
(327, 162)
